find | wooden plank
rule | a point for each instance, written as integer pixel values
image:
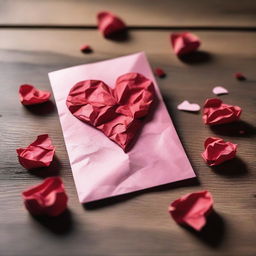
(135, 13)
(137, 224)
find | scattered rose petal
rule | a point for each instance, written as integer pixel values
(184, 43)
(219, 90)
(216, 112)
(108, 23)
(186, 106)
(240, 76)
(192, 209)
(218, 151)
(29, 95)
(160, 72)
(38, 154)
(48, 198)
(86, 48)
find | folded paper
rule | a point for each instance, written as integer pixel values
(109, 23)
(48, 198)
(216, 112)
(184, 43)
(38, 154)
(192, 209)
(100, 167)
(218, 151)
(117, 112)
(29, 95)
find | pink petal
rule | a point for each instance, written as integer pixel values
(186, 106)
(218, 90)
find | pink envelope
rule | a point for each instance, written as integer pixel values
(100, 167)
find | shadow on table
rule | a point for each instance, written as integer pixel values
(197, 57)
(213, 232)
(235, 129)
(59, 225)
(52, 170)
(120, 36)
(122, 198)
(235, 167)
(42, 109)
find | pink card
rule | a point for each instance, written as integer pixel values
(100, 167)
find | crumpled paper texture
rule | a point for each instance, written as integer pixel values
(38, 154)
(192, 209)
(184, 43)
(218, 151)
(216, 112)
(100, 167)
(117, 112)
(30, 95)
(48, 198)
(109, 23)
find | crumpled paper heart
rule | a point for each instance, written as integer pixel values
(216, 112)
(38, 154)
(116, 112)
(48, 198)
(192, 209)
(184, 43)
(30, 95)
(218, 151)
(109, 23)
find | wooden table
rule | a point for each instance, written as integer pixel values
(37, 37)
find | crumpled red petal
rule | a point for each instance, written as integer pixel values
(218, 151)
(116, 112)
(86, 48)
(29, 95)
(109, 23)
(216, 112)
(38, 154)
(159, 72)
(240, 76)
(184, 43)
(192, 209)
(48, 198)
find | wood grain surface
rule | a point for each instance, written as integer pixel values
(134, 12)
(135, 224)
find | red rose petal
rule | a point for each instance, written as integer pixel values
(240, 76)
(218, 151)
(38, 154)
(216, 112)
(184, 43)
(48, 198)
(160, 72)
(192, 209)
(29, 95)
(116, 112)
(86, 48)
(108, 23)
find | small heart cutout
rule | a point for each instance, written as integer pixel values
(117, 112)
(218, 90)
(186, 106)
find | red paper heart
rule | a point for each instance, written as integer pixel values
(116, 112)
